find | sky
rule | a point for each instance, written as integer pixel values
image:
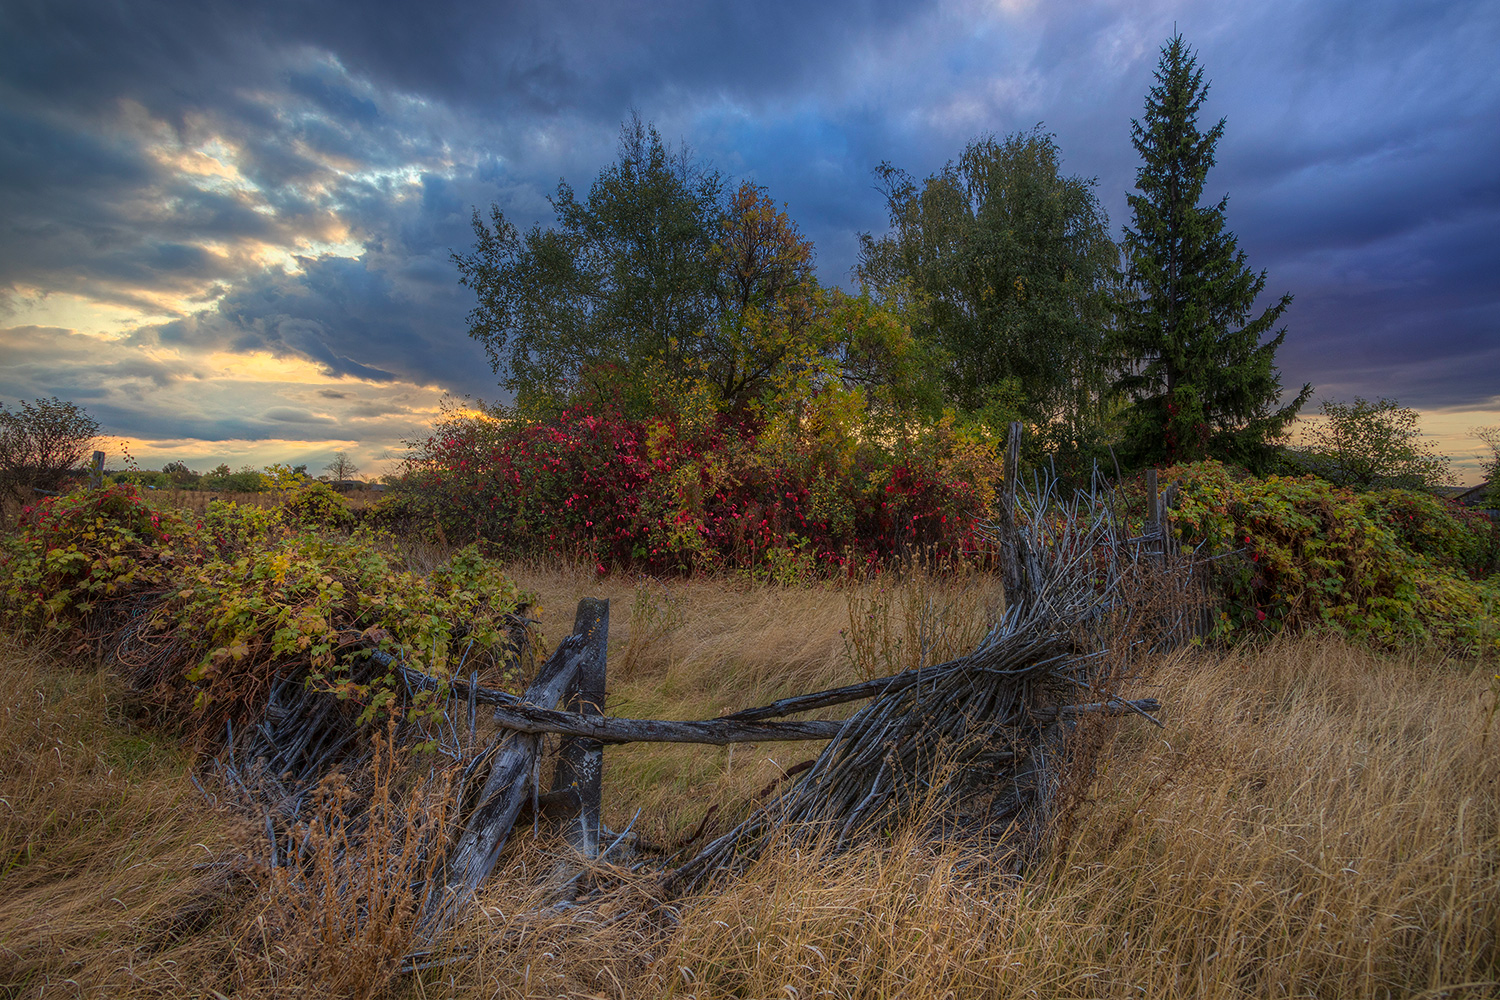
(226, 226)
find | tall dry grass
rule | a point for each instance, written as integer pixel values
(117, 877)
(699, 648)
(1314, 820)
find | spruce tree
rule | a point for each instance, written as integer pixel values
(1203, 382)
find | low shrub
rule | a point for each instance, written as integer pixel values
(216, 608)
(79, 554)
(318, 505)
(1294, 553)
(776, 499)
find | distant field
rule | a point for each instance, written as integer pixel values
(1315, 820)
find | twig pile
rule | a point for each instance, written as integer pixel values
(993, 720)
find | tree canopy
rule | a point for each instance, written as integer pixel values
(997, 291)
(1377, 445)
(342, 467)
(1199, 369)
(668, 289)
(625, 278)
(41, 441)
(1016, 266)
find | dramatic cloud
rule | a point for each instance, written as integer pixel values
(230, 223)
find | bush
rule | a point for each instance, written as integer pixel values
(738, 494)
(73, 554)
(40, 443)
(1297, 553)
(218, 607)
(318, 505)
(247, 480)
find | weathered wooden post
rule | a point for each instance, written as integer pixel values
(96, 471)
(512, 758)
(1012, 575)
(580, 760)
(1153, 500)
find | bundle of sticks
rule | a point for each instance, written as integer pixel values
(992, 722)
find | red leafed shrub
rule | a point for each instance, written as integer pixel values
(651, 495)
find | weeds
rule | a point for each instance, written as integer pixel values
(344, 896)
(916, 619)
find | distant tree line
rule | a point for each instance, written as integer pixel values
(44, 445)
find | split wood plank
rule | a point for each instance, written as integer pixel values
(580, 759)
(479, 846)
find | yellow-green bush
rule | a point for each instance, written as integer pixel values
(1393, 566)
(217, 607)
(318, 505)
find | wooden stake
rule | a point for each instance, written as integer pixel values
(1153, 512)
(1012, 577)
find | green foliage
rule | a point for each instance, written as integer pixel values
(882, 356)
(1202, 381)
(1365, 445)
(625, 278)
(283, 478)
(40, 443)
(663, 294)
(78, 554)
(244, 595)
(318, 505)
(241, 528)
(1392, 567)
(247, 480)
(304, 598)
(1015, 267)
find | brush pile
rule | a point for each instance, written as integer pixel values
(977, 743)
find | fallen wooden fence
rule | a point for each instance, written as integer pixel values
(998, 712)
(575, 674)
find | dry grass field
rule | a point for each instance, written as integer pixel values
(1314, 821)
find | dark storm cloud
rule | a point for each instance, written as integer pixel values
(1358, 154)
(334, 311)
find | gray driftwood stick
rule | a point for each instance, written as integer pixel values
(840, 695)
(479, 846)
(720, 732)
